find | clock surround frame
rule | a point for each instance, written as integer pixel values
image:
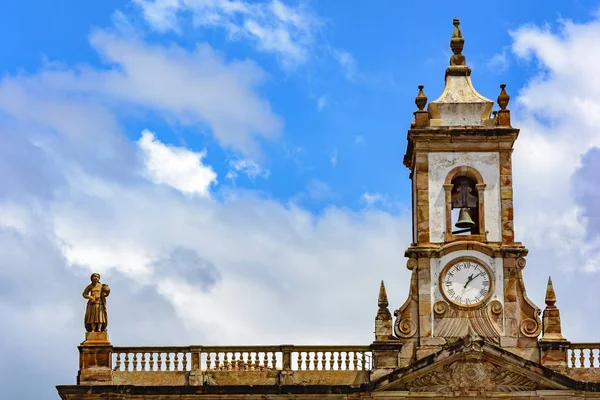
(483, 302)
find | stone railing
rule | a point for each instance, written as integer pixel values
(237, 365)
(241, 358)
(584, 355)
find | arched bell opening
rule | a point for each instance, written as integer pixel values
(465, 206)
(464, 189)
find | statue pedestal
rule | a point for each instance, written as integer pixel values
(95, 360)
(95, 338)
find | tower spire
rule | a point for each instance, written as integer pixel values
(459, 104)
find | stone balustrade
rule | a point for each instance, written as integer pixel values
(241, 358)
(584, 355)
(194, 365)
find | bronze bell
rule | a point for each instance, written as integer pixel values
(464, 219)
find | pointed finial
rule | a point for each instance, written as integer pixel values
(456, 33)
(550, 295)
(456, 44)
(421, 99)
(503, 97)
(382, 302)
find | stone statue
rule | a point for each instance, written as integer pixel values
(96, 319)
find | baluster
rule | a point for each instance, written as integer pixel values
(254, 360)
(217, 361)
(591, 358)
(339, 360)
(226, 361)
(572, 358)
(208, 361)
(135, 361)
(159, 362)
(597, 359)
(168, 361)
(323, 361)
(118, 362)
(347, 362)
(274, 360)
(355, 360)
(581, 358)
(143, 361)
(362, 361)
(265, 361)
(151, 361)
(331, 359)
(127, 361)
(176, 362)
(184, 361)
(238, 361)
(314, 358)
(247, 363)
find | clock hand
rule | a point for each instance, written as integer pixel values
(479, 274)
(469, 280)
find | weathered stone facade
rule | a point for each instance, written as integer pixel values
(467, 328)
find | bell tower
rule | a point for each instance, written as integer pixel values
(466, 266)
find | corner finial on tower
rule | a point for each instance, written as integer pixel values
(421, 99)
(551, 329)
(503, 114)
(421, 115)
(382, 301)
(550, 294)
(383, 321)
(457, 43)
(503, 97)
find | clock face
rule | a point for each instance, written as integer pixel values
(466, 283)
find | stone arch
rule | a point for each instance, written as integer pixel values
(464, 170)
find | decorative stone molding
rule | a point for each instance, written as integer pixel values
(530, 327)
(464, 377)
(407, 316)
(496, 307)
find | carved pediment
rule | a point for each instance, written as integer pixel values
(473, 366)
(471, 376)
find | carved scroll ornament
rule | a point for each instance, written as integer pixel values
(407, 315)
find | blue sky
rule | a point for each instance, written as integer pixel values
(222, 161)
(364, 112)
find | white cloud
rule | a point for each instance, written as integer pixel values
(274, 27)
(499, 62)
(174, 166)
(247, 167)
(370, 199)
(197, 89)
(558, 112)
(347, 62)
